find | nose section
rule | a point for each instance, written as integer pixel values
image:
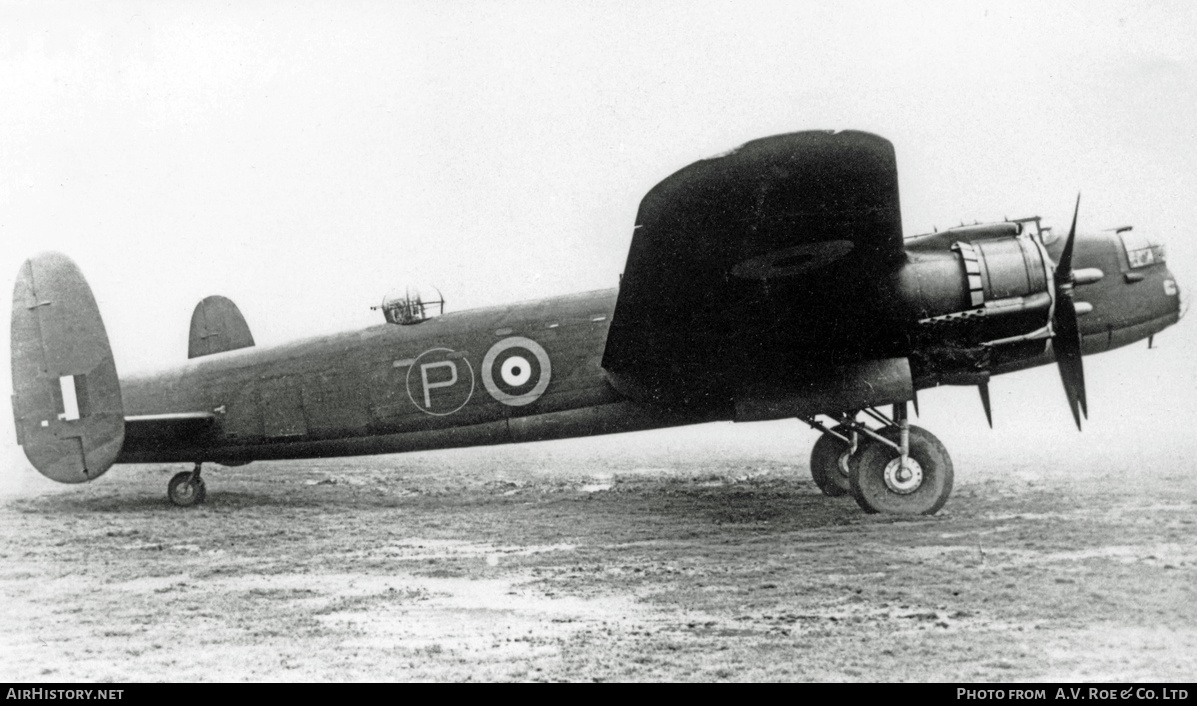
(1137, 295)
(1183, 296)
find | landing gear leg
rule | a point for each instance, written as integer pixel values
(831, 458)
(911, 475)
(187, 488)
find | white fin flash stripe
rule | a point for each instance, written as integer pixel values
(70, 403)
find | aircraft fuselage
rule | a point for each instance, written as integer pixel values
(445, 382)
(523, 372)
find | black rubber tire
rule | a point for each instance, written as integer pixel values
(185, 492)
(867, 479)
(825, 464)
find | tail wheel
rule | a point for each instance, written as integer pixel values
(829, 463)
(186, 489)
(880, 482)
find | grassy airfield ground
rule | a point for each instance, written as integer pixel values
(696, 554)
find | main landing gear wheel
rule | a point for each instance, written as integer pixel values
(830, 463)
(880, 482)
(187, 488)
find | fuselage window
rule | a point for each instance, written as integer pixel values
(1142, 251)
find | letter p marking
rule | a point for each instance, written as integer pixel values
(429, 386)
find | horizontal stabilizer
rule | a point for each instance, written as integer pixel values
(217, 326)
(149, 431)
(66, 396)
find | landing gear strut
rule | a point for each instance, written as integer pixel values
(187, 488)
(830, 460)
(899, 469)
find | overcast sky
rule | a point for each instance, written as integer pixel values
(305, 158)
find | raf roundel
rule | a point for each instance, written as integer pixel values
(516, 371)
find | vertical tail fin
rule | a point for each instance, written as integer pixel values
(217, 326)
(66, 394)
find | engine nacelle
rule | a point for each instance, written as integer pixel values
(973, 293)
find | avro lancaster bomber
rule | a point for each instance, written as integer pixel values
(772, 281)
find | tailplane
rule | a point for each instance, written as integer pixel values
(66, 395)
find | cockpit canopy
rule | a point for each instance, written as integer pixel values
(1141, 250)
(409, 306)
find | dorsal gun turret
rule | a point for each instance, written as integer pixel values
(410, 307)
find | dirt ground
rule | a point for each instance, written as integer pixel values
(698, 554)
(512, 564)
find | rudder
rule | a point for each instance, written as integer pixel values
(66, 395)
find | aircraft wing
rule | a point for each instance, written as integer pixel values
(756, 264)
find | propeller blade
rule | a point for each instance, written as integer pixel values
(1067, 345)
(983, 388)
(1067, 339)
(1064, 267)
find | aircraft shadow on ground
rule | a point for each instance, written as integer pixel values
(119, 503)
(777, 506)
(786, 506)
(70, 504)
